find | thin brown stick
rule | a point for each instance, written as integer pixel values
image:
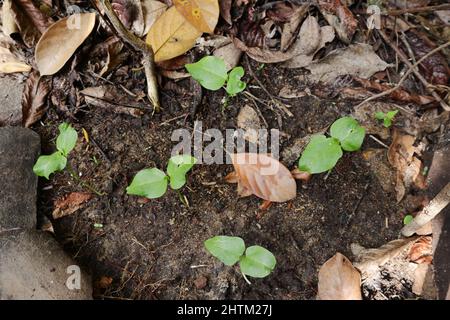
(417, 10)
(412, 68)
(139, 45)
(429, 212)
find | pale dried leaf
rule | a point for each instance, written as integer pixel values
(290, 28)
(9, 63)
(340, 18)
(152, 10)
(230, 54)
(421, 251)
(369, 260)
(61, 40)
(263, 55)
(357, 59)
(264, 177)
(308, 38)
(339, 280)
(403, 4)
(70, 204)
(248, 120)
(9, 25)
(34, 98)
(171, 35)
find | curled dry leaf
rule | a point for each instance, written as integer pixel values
(339, 280)
(152, 10)
(61, 40)
(9, 26)
(10, 63)
(248, 120)
(263, 176)
(401, 157)
(340, 18)
(34, 98)
(421, 251)
(369, 260)
(290, 28)
(202, 14)
(69, 204)
(225, 10)
(263, 55)
(357, 59)
(171, 35)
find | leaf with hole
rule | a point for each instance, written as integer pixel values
(209, 71)
(234, 83)
(258, 262)
(171, 35)
(46, 165)
(227, 249)
(202, 14)
(61, 40)
(320, 155)
(177, 168)
(349, 133)
(149, 183)
(67, 138)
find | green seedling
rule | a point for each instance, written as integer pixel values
(57, 161)
(407, 219)
(322, 152)
(386, 117)
(211, 73)
(152, 183)
(255, 261)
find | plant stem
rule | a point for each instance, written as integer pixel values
(84, 184)
(246, 280)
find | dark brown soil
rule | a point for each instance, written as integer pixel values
(154, 250)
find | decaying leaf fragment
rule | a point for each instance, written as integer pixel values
(69, 204)
(248, 120)
(339, 280)
(34, 98)
(421, 251)
(60, 41)
(10, 63)
(339, 17)
(263, 176)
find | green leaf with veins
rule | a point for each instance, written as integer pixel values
(349, 133)
(67, 138)
(258, 262)
(227, 249)
(149, 183)
(209, 71)
(177, 168)
(234, 83)
(46, 165)
(320, 155)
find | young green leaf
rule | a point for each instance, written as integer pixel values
(386, 117)
(320, 155)
(46, 165)
(177, 168)
(407, 219)
(67, 138)
(234, 83)
(227, 249)
(209, 71)
(349, 133)
(258, 262)
(149, 183)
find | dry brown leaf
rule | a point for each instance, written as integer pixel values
(9, 63)
(9, 25)
(357, 59)
(174, 75)
(69, 204)
(401, 157)
(290, 28)
(263, 55)
(309, 37)
(370, 259)
(34, 98)
(225, 7)
(230, 54)
(248, 120)
(152, 10)
(421, 251)
(171, 35)
(339, 17)
(406, 4)
(30, 21)
(263, 176)
(339, 280)
(128, 11)
(202, 14)
(61, 40)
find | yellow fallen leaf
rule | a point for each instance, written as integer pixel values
(9, 63)
(202, 14)
(171, 35)
(60, 41)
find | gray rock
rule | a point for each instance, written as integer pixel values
(19, 148)
(10, 101)
(33, 266)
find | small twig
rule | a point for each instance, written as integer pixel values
(410, 70)
(9, 230)
(417, 10)
(139, 45)
(429, 212)
(378, 141)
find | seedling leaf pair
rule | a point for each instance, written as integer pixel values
(322, 153)
(211, 73)
(152, 183)
(386, 117)
(257, 261)
(66, 141)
